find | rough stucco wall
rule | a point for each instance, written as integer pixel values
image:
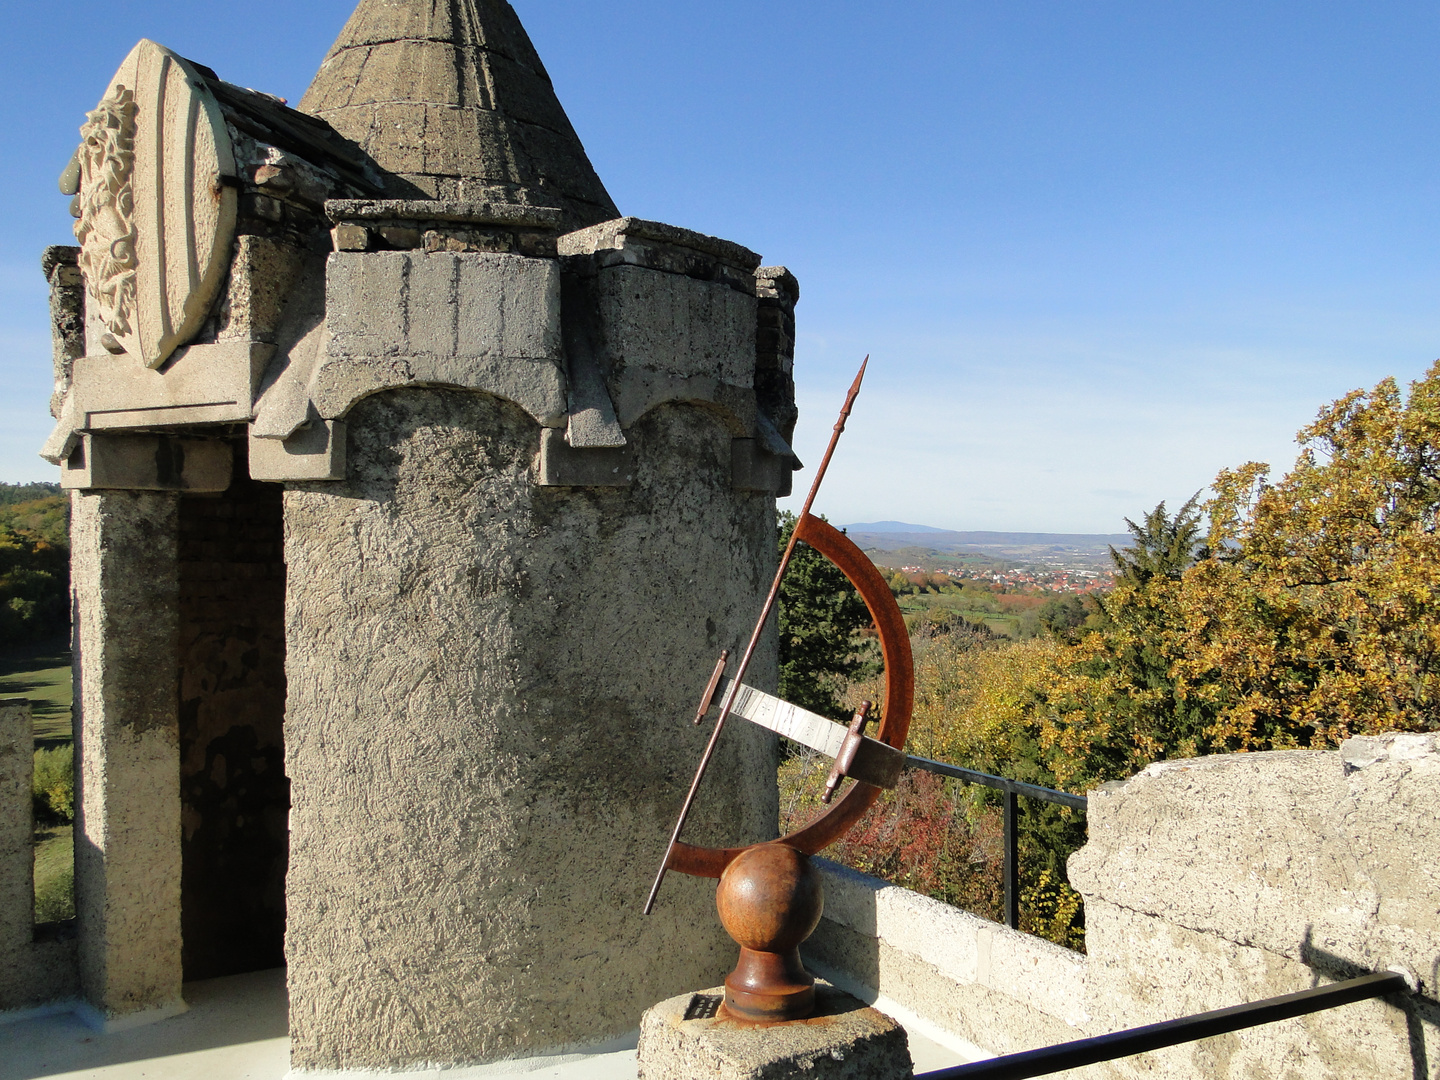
(487, 732)
(234, 794)
(1221, 880)
(127, 849)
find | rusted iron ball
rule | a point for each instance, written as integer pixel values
(770, 898)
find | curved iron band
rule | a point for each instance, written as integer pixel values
(894, 720)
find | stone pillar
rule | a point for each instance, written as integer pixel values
(127, 851)
(488, 737)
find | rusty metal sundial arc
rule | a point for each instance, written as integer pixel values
(874, 763)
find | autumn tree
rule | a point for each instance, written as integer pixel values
(1317, 616)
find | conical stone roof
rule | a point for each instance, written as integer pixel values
(451, 98)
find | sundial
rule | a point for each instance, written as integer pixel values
(769, 895)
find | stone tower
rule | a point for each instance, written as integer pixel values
(417, 528)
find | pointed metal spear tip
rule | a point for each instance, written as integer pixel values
(854, 390)
(860, 375)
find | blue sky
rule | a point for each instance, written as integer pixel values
(1097, 250)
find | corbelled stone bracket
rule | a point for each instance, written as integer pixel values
(562, 465)
(315, 451)
(148, 463)
(753, 468)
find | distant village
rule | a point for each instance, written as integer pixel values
(1024, 578)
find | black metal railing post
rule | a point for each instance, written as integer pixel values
(1012, 790)
(1012, 860)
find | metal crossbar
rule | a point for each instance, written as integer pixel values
(1118, 1044)
(1000, 783)
(1013, 789)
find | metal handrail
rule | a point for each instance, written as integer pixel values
(1013, 789)
(1118, 1044)
(1000, 783)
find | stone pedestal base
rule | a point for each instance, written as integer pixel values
(684, 1039)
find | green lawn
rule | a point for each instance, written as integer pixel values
(54, 874)
(41, 673)
(1006, 625)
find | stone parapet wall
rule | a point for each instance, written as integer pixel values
(1220, 880)
(31, 972)
(1208, 883)
(983, 987)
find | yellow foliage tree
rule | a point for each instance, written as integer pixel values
(1317, 614)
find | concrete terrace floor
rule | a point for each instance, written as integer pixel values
(237, 1029)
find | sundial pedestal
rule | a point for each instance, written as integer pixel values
(690, 1037)
(770, 900)
(771, 1019)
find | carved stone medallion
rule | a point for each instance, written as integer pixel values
(157, 213)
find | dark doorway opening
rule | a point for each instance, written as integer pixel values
(235, 797)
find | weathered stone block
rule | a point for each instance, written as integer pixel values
(348, 237)
(262, 277)
(1215, 881)
(315, 452)
(677, 325)
(444, 304)
(203, 384)
(752, 469)
(1145, 970)
(475, 321)
(633, 241)
(124, 462)
(683, 1038)
(1225, 845)
(365, 298)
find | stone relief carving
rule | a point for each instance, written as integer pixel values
(157, 205)
(106, 229)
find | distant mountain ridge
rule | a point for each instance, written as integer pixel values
(910, 534)
(1088, 549)
(893, 527)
